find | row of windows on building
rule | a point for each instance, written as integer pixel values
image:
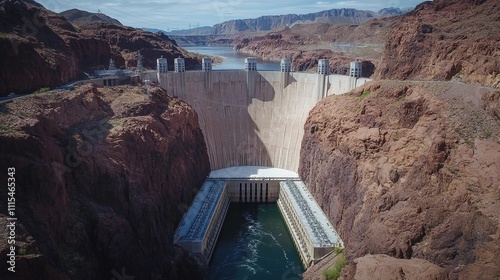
(251, 65)
(215, 225)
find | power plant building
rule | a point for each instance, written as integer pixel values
(311, 231)
(200, 226)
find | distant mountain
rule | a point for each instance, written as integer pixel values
(202, 30)
(266, 23)
(79, 17)
(394, 11)
(152, 30)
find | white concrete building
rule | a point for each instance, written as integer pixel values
(161, 65)
(206, 64)
(286, 65)
(323, 67)
(355, 69)
(311, 231)
(179, 65)
(251, 64)
(200, 226)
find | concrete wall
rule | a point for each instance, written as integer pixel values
(252, 118)
(234, 187)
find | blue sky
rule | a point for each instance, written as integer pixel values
(180, 14)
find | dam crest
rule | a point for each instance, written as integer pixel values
(253, 125)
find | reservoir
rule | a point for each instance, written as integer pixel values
(232, 59)
(254, 244)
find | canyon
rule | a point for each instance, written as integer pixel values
(406, 167)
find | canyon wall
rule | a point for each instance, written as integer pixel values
(443, 40)
(103, 177)
(410, 170)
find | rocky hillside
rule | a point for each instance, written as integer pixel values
(409, 170)
(125, 41)
(443, 40)
(79, 17)
(102, 178)
(267, 23)
(345, 16)
(39, 48)
(306, 43)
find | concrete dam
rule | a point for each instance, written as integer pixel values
(252, 122)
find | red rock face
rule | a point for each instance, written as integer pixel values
(385, 267)
(41, 49)
(410, 170)
(103, 177)
(443, 40)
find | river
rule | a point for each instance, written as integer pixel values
(232, 59)
(254, 244)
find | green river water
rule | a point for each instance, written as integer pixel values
(254, 243)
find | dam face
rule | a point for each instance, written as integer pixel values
(253, 118)
(253, 125)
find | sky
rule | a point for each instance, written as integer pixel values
(182, 14)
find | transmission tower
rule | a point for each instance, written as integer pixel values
(139, 67)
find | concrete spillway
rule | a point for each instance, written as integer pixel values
(253, 118)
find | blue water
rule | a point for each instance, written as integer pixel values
(232, 59)
(254, 244)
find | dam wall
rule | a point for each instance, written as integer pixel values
(253, 118)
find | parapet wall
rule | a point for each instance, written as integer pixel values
(253, 117)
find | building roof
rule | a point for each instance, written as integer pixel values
(253, 172)
(316, 224)
(195, 222)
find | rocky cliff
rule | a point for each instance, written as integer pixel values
(410, 170)
(267, 23)
(443, 40)
(39, 48)
(79, 17)
(102, 177)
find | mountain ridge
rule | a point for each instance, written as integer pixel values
(267, 23)
(79, 17)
